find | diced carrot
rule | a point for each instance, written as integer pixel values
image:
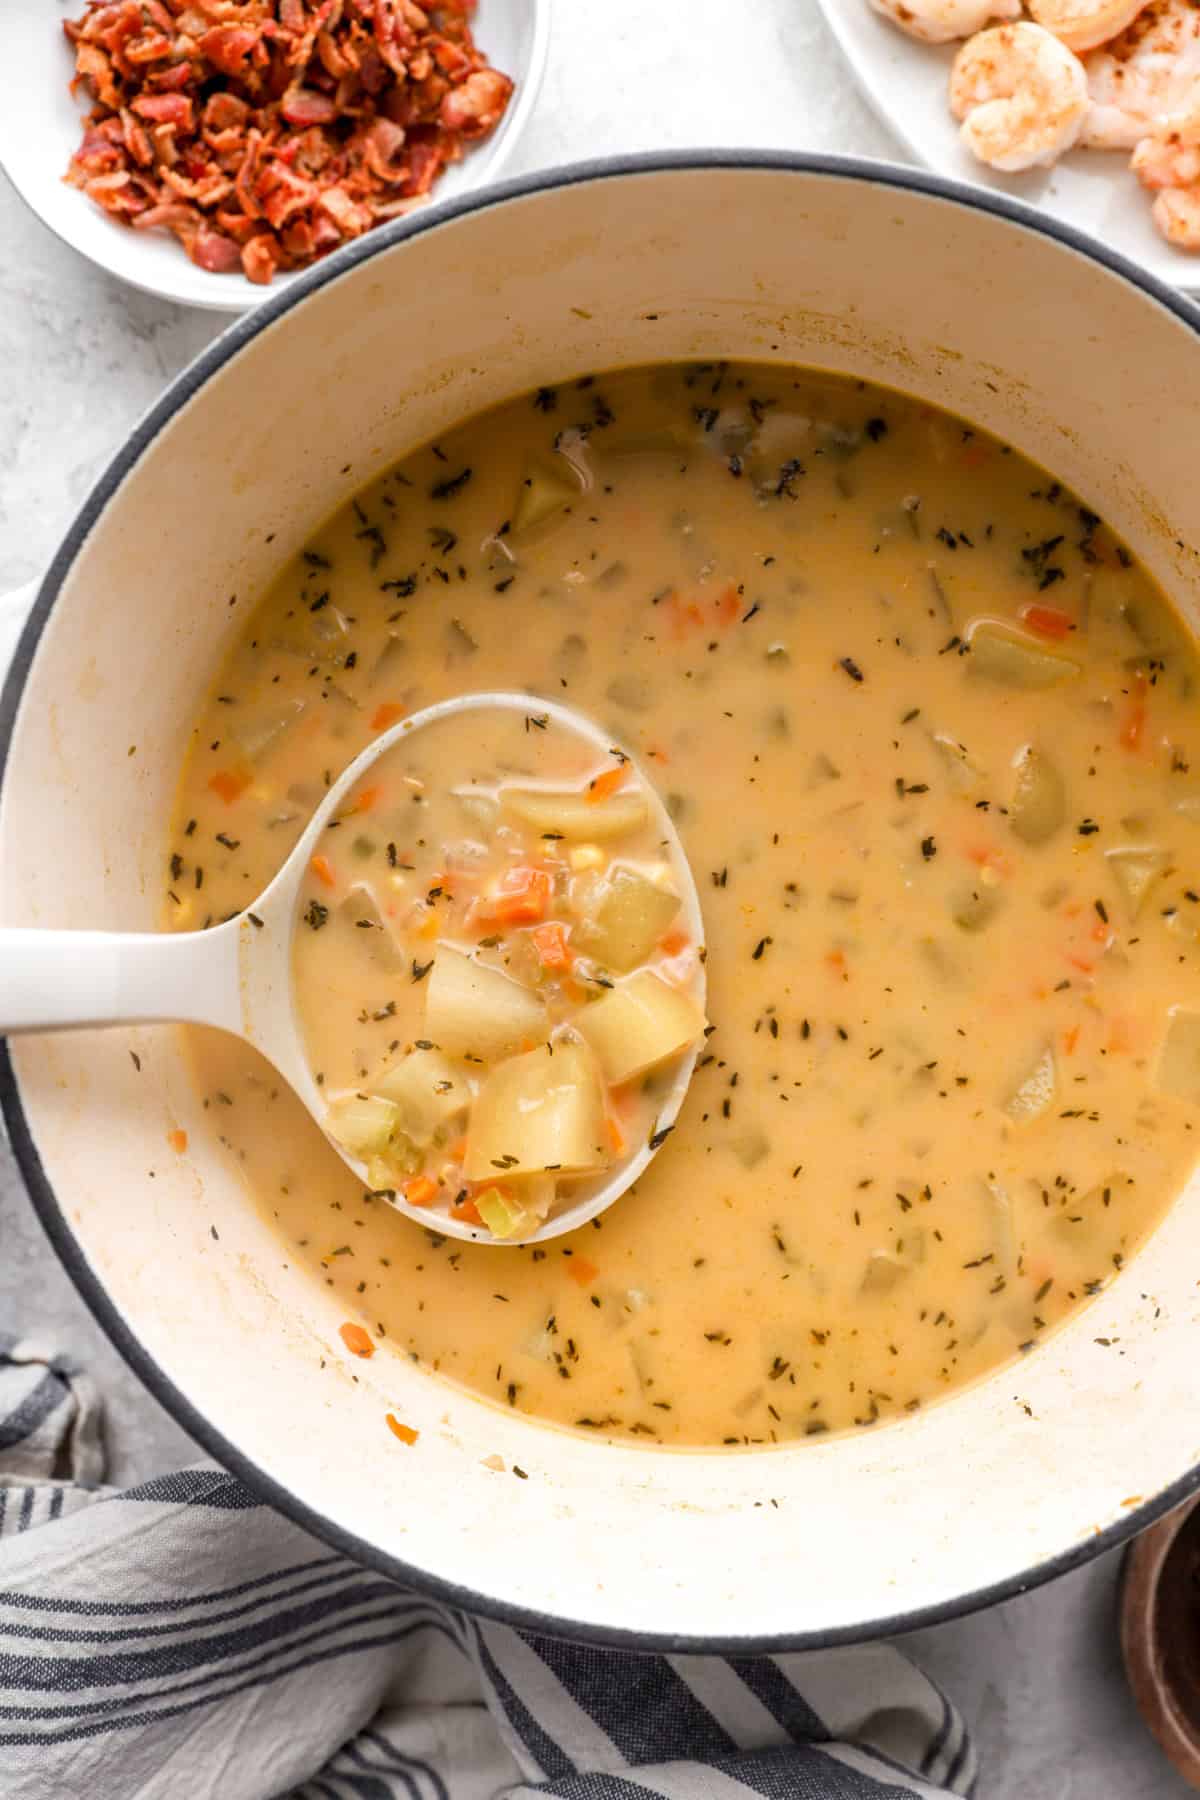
(364, 801)
(1047, 621)
(674, 942)
(606, 784)
(230, 784)
(1133, 721)
(1070, 1039)
(984, 856)
(386, 715)
(523, 897)
(729, 605)
(582, 1271)
(615, 1139)
(420, 1191)
(322, 868)
(550, 942)
(356, 1339)
(405, 1433)
(178, 1141)
(467, 1212)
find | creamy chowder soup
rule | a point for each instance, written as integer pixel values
(927, 733)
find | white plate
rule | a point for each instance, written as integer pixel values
(1091, 189)
(40, 127)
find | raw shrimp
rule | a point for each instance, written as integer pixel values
(1169, 164)
(1021, 96)
(1083, 24)
(1140, 81)
(941, 21)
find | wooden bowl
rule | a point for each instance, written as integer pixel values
(1160, 1634)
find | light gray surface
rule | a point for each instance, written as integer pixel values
(80, 358)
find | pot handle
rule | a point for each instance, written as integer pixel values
(15, 608)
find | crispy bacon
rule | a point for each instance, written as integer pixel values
(264, 133)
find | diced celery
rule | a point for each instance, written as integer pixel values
(1036, 1093)
(963, 774)
(998, 654)
(638, 1025)
(975, 907)
(1136, 872)
(363, 1124)
(502, 1216)
(575, 815)
(1178, 1071)
(471, 1010)
(543, 1111)
(1039, 802)
(427, 1091)
(630, 916)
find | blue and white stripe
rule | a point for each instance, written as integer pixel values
(179, 1639)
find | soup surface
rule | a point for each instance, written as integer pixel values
(927, 732)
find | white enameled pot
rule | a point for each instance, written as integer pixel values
(978, 304)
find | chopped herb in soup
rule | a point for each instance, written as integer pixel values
(495, 984)
(928, 733)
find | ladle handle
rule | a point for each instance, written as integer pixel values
(57, 980)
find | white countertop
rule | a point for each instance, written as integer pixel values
(81, 357)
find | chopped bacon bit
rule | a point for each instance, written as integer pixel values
(405, 1433)
(356, 1339)
(319, 118)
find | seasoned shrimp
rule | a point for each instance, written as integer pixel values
(1083, 24)
(1144, 77)
(1020, 94)
(1168, 163)
(941, 21)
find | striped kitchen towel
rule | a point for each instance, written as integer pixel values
(180, 1641)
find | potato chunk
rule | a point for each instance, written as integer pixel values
(575, 815)
(471, 1010)
(1000, 655)
(537, 1112)
(638, 1025)
(1035, 1095)
(426, 1091)
(1178, 1070)
(630, 917)
(542, 493)
(1136, 872)
(1039, 801)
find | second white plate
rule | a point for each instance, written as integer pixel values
(1093, 190)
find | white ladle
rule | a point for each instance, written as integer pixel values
(238, 975)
